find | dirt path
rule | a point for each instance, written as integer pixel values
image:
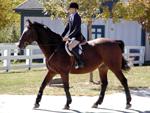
(114, 103)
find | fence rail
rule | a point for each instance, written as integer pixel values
(9, 58)
(135, 54)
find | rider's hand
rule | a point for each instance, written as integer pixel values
(65, 38)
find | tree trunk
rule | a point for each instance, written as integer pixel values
(89, 29)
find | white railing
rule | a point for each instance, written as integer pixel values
(9, 55)
(135, 54)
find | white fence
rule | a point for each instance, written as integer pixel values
(9, 58)
(135, 54)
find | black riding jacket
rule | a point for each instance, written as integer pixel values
(74, 27)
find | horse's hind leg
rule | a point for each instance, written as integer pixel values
(46, 80)
(103, 76)
(124, 82)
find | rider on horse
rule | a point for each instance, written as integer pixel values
(75, 35)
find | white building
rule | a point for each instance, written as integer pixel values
(128, 31)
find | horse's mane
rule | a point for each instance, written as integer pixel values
(46, 28)
(52, 34)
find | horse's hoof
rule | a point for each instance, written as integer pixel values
(66, 108)
(36, 106)
(95, 106)
(128, 106)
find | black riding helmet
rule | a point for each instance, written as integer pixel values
(74, 5)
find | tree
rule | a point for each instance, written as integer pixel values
(136, 10)
(9, 20)
(5, 7)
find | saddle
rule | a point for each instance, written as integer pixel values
(80, 48)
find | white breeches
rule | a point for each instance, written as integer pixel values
(73, 43)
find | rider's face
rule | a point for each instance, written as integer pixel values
(71, 10)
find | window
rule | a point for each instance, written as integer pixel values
(98, 31)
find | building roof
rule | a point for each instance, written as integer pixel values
(30, 5)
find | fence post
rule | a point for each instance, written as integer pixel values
(28, 60)
(44, 60)
(142, 51)
(6, 63)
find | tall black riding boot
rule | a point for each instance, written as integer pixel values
(80, 63)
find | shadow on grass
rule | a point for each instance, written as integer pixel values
(141, 91)
(138, 91)
(57, 82)
(20, 71)
(114, 89)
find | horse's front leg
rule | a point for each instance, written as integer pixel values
(65, 79)
(46, 80)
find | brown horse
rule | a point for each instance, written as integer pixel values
(100, 53)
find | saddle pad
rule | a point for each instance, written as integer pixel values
(69, 52)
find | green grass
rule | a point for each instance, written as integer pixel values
(28, 82)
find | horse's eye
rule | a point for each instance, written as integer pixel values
(26, 43)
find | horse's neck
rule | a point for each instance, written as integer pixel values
(44, 44)
(47, 50)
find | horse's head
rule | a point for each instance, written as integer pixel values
(39, 33)
(28, 36)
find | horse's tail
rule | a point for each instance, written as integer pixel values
(125, 65)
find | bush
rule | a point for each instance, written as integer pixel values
(10, 34)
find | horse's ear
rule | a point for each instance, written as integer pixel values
(29, 23)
